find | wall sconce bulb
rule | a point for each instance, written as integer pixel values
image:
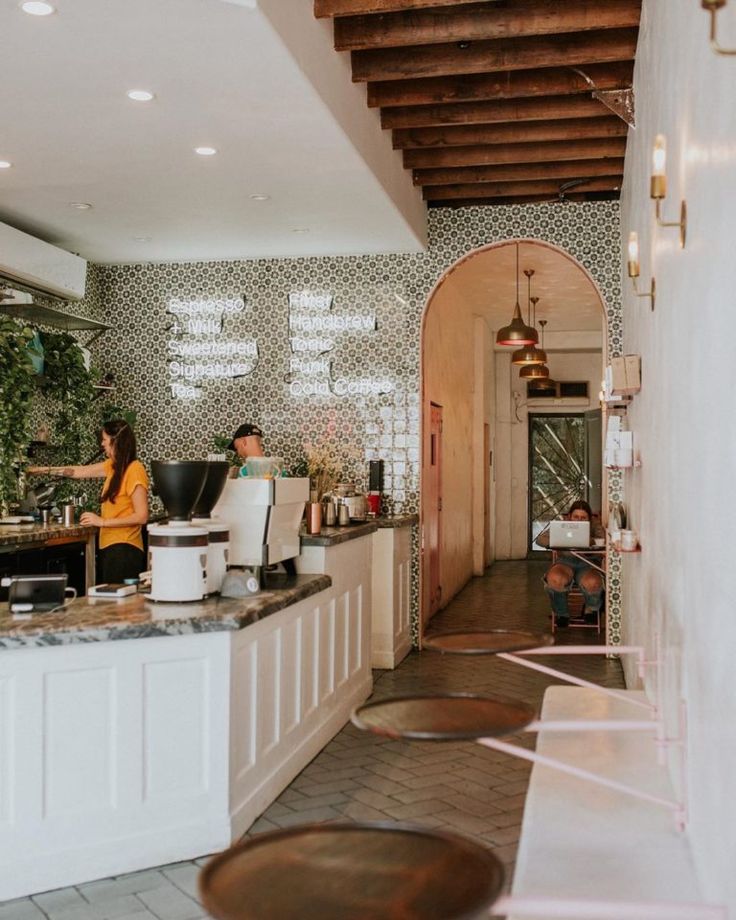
(712, 6)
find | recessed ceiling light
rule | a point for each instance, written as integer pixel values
(259, 197)
(37, 7)
(206, 151)
(300, 230)
(140, 95)
(142, 239)
(80, 205)
(5, 164)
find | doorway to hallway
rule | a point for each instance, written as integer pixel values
(564, 466)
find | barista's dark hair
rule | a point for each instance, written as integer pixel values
(581, 505)
(123, 454)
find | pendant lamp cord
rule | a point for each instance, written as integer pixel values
(517, 273)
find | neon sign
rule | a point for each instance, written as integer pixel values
(196, 355)
(313, 331)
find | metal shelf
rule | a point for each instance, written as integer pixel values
(48, 316)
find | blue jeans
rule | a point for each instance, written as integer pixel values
(558, 599)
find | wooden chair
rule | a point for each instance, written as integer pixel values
(576, 605)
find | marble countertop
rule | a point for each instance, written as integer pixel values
(19, 534)
(90, 619)
(397, 520)
(331, 536)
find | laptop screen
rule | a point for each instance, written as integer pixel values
(570, 534)
(42, 592)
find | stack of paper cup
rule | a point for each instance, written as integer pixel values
(628, 540)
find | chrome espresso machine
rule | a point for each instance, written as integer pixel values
(263, 516)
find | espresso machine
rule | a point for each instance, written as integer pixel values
(264, 516)
(178, 550)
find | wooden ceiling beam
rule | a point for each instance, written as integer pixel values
(482, 21)
(568, 169)
(514, 189)
(534, 108)
(509, 133)
(568, 50)
(323, 9)
(498, 85)
(514, 153)
(524, 199)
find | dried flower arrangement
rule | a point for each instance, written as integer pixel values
(323, 469)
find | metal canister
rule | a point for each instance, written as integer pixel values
(67, 515)
(343, 514)
(330, 514)
(314, 517)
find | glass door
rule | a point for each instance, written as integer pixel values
(558, 468)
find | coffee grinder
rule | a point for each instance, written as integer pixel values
(178, 550)
(218, 532)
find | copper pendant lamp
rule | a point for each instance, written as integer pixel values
(517, 332)
(529, 354)
(537, 371)
(545, 385)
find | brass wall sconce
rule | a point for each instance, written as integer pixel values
(633, 266)
(712, 6)
(658, 188)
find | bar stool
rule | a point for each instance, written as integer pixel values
(368, 871)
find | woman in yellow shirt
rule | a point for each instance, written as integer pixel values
(124, 501)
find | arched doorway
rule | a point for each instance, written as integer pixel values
(475, 500)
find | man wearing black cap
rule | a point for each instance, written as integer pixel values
(246, 441)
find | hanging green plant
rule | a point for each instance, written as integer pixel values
(67, 381)
(16, 388)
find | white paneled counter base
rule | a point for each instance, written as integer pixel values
(377, 556)
(119, 755)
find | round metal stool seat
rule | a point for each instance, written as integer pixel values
(444, 717)
(352, 872)
(487, 641)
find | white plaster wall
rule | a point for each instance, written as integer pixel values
(512, 437)
(682, 499)
(311, 43)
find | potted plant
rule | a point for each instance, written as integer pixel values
(221, 445)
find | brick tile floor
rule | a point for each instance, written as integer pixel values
(459, 786)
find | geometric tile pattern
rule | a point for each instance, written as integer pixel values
(392, 287)
(459, 786)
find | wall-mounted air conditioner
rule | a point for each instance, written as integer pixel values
(40, 266)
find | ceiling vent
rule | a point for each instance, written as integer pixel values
(40, 267)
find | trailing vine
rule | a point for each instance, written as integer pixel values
(16, 389)
(67, 381)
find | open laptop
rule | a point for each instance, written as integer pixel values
(569, 535)
(34, 593)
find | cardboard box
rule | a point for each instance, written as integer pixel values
(618, 376)
(632, 365)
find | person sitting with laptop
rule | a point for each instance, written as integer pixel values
(571, 569)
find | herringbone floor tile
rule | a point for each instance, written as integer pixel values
(458, 786)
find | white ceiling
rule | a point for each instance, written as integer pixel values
(568, 300)
(257, 79)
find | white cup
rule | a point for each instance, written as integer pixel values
(628, 539)
(623, 456)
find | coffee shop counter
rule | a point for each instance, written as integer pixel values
(20, 538)
(96, 619)
(120, 755)
(379, 553)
